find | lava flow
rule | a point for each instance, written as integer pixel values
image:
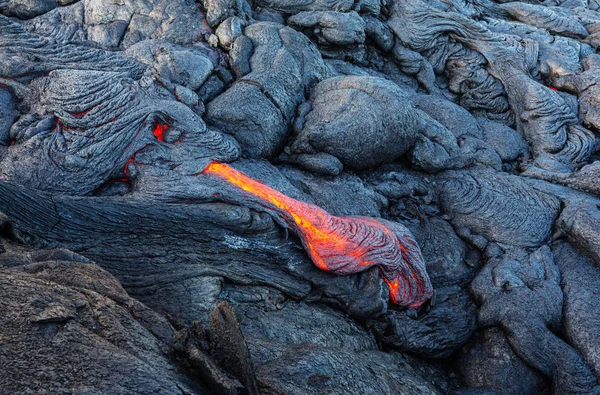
(345, 245)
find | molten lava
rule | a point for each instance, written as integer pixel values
(129, 161)
(159, 131)
(80, 114)
(344, 245)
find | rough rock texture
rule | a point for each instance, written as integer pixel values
(337, 123)
(578, 275)
(487, 206)
(334, 28)
(59, 313)
(467, 127)
(579, 221)
(511, 276)
(360, 122)
(487, 361)
(259, 107)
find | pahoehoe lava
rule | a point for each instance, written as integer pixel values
(345, 245)
(300, 197)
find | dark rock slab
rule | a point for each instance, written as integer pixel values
(487, 361)
(70, 327)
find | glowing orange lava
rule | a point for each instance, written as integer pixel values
(159, 131)
(344, 245)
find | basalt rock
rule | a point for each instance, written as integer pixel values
(487, 361)
(342, 245)
(296, 6)
(584, 85)
(579, 221)
(58, 313)
(578, 273)
(337, 123)
(486, 206)
(259, 107)
(556, 20)
(362, 122)
(335, 28)
(117, 25)
(419, 215)
(558, 55)
(513, 276)
(248, 235)
(71, 110)
(507, 142)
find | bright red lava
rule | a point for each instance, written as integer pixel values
(129, 161)
(80, 114)
(159, 131)
(344, 245)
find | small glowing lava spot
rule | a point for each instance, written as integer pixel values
(11, 142)
(553, 88)
(80, 114)
(159, 131)
(129, 161)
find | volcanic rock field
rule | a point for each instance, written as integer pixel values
(300, 197)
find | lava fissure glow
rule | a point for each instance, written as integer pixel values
(344, 245)
(159, 131)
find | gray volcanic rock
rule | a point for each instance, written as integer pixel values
(579, 275)
(79, 97)
(504, 140)
(296, 6)
(362, 121)
(580, 221)
(555, 20)
(584, 85)
(8, 115)
(471, 126)
(487, 361)
(451, 319)
(345, 194)
(57, 314)
(455, 118)
(259, 107)
(28, 9)
(449, 260)
(335, 28)
(497, 207)
(315, 370)
(442, 331)
(512, 276)
(215, 240)
(117, 24)
(558, 55)
(267, 330)
(218, 11)
(189, 67)
(229, 30)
